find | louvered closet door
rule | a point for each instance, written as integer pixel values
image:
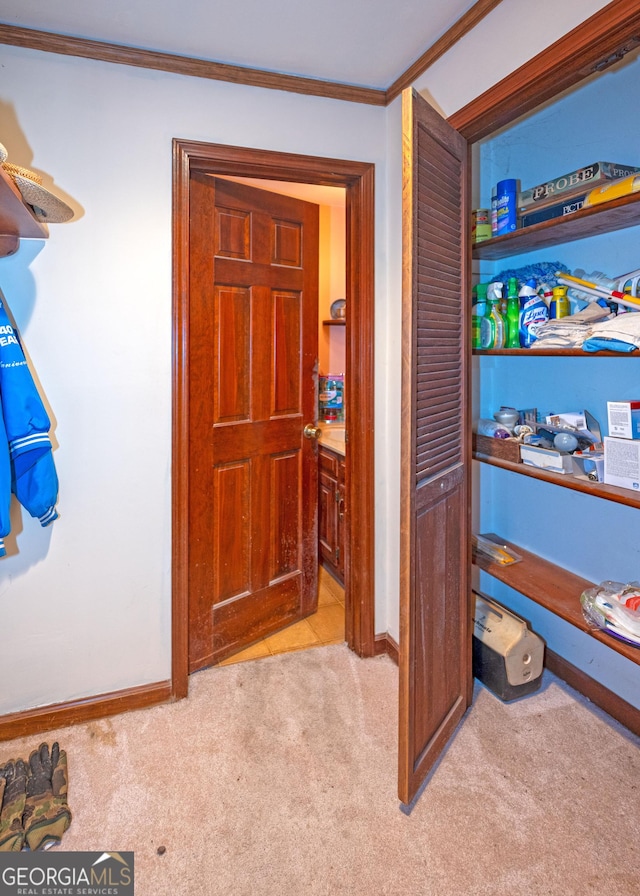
(435, 633)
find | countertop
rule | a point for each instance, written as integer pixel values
(333, 437)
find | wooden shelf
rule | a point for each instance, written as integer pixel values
(554, 588)
(17, 221)
(552, 352)
(595, 489)
(604, 218)
(334, 323)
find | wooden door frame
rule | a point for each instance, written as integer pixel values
(591, 46)
(357, 178)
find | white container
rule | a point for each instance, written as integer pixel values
(622, 463)
(508, 657)
(547, 459)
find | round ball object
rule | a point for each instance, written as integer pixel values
(565, 441)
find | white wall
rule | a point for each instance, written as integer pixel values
(511, 34)
(85, 605)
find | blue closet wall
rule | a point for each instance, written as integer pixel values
(594, 538)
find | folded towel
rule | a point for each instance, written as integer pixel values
(604, 344)
(623, 327)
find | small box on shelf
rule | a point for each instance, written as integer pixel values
(624, 419)
(547, 459)
(622, 463)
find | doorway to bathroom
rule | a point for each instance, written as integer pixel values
(195, 160)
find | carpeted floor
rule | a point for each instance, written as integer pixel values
(278, 777)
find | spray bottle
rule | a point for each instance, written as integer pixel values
(493, 330)
(533, 313)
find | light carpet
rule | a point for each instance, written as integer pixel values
(278, 777)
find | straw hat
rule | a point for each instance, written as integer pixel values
(46, 207)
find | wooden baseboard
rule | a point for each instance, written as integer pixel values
(46, 718)
(597, 693)
(385, 644)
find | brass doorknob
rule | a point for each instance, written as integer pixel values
(311, 431)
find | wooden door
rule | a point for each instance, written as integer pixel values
(253, 492)
(435, 603)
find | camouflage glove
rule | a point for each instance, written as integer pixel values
(14, 774)
(47, 815)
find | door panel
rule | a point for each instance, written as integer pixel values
(252, 387)
(435, 603)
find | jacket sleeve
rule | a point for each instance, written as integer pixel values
(5, 486)
(33, 476)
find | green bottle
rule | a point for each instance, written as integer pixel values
(478, 311)
(513, 314)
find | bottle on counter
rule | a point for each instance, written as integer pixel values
(513, 314)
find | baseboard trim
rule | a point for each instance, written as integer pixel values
(75, 712)
(46, 718)
(385, 644)
(597, 693)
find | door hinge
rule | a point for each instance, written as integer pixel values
(617, 56)
(337, 555)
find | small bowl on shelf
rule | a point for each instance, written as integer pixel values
(507, 417)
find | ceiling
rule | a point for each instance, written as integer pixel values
(368, 43)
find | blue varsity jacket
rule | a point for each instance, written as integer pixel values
(26, 459)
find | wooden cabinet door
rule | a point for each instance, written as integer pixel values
(253, 487)
(341, 509)
(331, 511)
(435, 601)
(327, 518)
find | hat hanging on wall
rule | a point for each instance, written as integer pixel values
(46, 206)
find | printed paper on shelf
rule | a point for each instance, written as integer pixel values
(574, 182)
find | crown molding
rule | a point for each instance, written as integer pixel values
(50, 42)
(464, 25)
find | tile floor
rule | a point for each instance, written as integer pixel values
(326, 626)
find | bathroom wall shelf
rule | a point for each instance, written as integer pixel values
(598, 219)
(595, 489)
(334, 323)
(16, 219)
(554, 588)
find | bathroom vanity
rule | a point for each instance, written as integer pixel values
(331, 501)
